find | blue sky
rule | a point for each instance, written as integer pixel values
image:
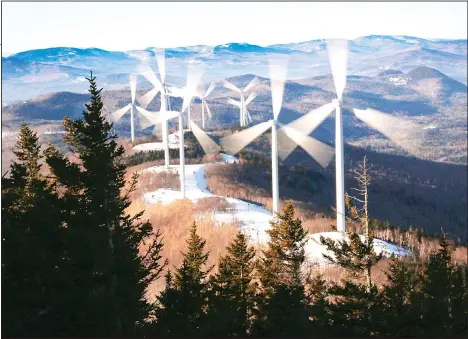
(125, 26)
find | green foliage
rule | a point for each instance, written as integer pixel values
(283, 308)
(107, 276)
(186, 314)
(33, 253)
(233, 294)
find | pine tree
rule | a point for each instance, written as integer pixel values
(283, 307)
(401, 300)
(441, 311)
(108, 277)
(32, 244)
(356, 304)
(184, 313)
(319, 305)
(233, 294)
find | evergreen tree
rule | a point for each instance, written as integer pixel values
(444, 289)
(182, 309)
(283, 307)
(108, 276)
(32, 244)
(356, 307)
(318, 291)
(401, 300)
(233, 298)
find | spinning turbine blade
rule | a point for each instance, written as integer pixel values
(404, 133)
(321, 152)
(338, 56)
(232, 144)
(208, 109)
(117, 115)
(148, 73)
(227, 84)
(208, 145)
(194, 76)
(306, 125)
(133, 87)
(255, 81)
(278, 69)
(234, 102)
(150, 118)
(144, 122)
(145, 99)
(250, 98)
(161, 60)
(247, 114)
(210, 89)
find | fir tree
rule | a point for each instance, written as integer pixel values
(33, 268)
(401, 300)
(442, 288)
(283, 307)
(233, 296)
(185, 312)
(356, 303)
(108, 277)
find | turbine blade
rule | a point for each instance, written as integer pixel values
(321, 152)
(278, 69)
(230, 86)
(232, 144)
(208, 145)
(403, 132)
(250, 98)
(255, 81)
(145, 99)
(306, 125)
(194, 76)
(338, 56)
(247, 114)
(148, 73)
(151, 118)
(210, 89)
(144, 122)
(117, 115)
(132, 79)
(234, 102)
(208, 109)
(161, 60)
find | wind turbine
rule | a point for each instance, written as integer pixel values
(396, 129)
(245, 117)
(235, 142)
(208, 145)
(202, 94)
(159, 86)
(117, 115)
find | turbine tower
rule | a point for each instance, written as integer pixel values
(159, 86)
(235, 142)
(208, 145)
(245, 117)
(117, 115)
(396, 129)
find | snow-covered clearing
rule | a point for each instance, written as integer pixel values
(253, 219)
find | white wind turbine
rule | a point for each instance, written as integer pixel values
(208, 145)
(396, 129)
(159, 86)
(117, 115)
(245, 117)
(235, 142)
(202, 94)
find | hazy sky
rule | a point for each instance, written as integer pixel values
(125, 26)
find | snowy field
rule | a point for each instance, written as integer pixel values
(158, 146)
(254, 219)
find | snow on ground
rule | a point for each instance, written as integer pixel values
(158, 146)
(254, 220)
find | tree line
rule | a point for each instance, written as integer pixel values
(74, 263)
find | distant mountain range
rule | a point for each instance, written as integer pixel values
(28, 74)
